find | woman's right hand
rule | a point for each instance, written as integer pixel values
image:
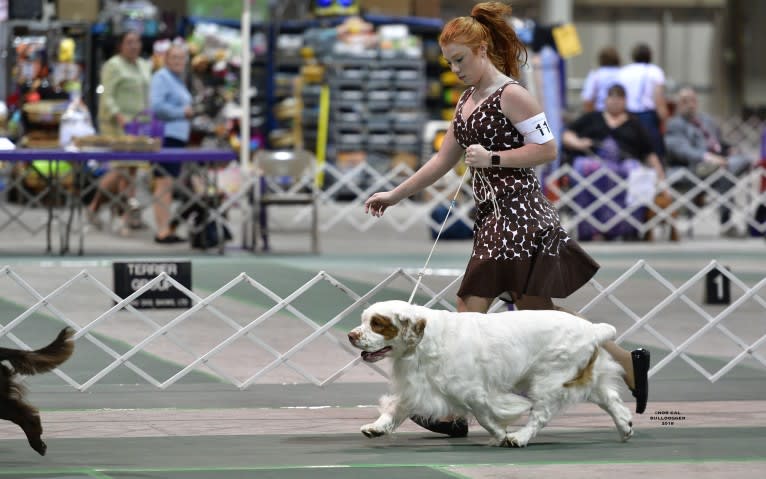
(584, 144)
(377, 203)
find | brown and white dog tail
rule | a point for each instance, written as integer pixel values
(585, 375)
(41, 360)
(604, 332)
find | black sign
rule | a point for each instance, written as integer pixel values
(717, 287)
(25, 10)
(131, 276)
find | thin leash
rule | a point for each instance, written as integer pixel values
(446, 217)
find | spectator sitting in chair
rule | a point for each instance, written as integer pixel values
(612, 139)
(693, 140)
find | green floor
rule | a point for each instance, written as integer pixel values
(337, 456)
(345, 456)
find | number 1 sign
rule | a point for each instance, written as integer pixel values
(717, 287)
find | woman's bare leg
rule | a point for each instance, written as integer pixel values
(127, 192)
(109, 183)
(163, 198)
(474, 304)
(622, 356)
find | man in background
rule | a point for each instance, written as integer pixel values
(693, 140)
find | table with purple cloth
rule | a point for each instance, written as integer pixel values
(78, 158)
(176, 155)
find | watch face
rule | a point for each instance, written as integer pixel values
(495, 160)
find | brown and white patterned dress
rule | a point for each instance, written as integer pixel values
(519, 245)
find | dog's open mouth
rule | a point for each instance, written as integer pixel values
(373, 356)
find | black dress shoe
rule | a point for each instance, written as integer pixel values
(169, 239)
(456, 428)
(641, 359)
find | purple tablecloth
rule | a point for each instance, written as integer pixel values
(177, 155)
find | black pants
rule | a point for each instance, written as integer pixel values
(651, 121)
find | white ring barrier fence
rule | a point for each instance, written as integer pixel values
(693, 210)
(285, 345)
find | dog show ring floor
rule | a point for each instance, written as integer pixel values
(202, 427)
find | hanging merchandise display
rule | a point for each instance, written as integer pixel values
(67, 73)
(45, 63)
(216, 53)
(29, 67)
(46, 69)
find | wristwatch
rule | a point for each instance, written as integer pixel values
(495, 159)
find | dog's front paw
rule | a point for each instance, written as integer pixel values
(626, 432)
(39, 446)
(496, 441)
(371, 430)
(514, 440)
(33, 429)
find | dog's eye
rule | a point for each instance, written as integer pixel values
(378, 324)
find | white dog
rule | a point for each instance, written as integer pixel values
(494, 367)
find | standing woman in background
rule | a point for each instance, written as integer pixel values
(125, 79)
(171, 102)
(519, 249)
(599, 80)
(644, 84)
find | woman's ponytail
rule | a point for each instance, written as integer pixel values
(504, 47)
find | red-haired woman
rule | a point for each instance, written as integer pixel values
(520, 249)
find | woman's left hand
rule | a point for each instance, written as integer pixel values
(476, 156)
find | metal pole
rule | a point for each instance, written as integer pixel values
(557, 11)
(664, 55)
(244, 89)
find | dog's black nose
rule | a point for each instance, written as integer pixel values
(353, 336)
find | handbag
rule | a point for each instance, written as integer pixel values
(145, 123)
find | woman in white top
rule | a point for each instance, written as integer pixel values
(644, 85)
(601, 79)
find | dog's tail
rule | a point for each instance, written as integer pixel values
(43, 359)
(604, 332)
(585, 375)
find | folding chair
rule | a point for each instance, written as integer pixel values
(287, 178)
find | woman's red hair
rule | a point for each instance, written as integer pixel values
(488, 24)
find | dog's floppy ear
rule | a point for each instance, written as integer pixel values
(420, 327)
(413, 330)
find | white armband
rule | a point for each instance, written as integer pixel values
(535, 129)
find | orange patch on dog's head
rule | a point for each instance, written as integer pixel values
(384, 326)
